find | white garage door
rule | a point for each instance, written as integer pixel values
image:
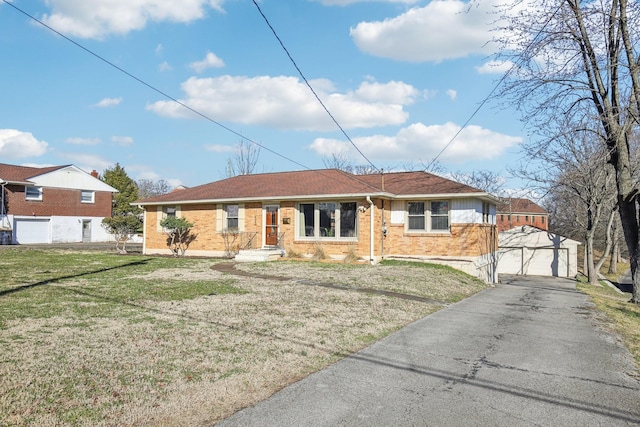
(510, 261)
(549, 262)
(534, 261)
(32, 231)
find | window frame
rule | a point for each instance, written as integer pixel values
(89, 192)
(428, 216)
(334, 211)
(228, 217)
(37, 198)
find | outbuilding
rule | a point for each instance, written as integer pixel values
(529, 250)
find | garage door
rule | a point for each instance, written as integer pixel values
(548, 262)
(32, 231)
(510, 261)
(534, 261)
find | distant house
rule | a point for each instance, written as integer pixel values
(514, 212)
(57, 204)
(413, 215)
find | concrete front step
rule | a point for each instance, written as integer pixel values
(258, 255)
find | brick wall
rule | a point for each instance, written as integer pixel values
(509, 221)
(464, 239)
(57, 202)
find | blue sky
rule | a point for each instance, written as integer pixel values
(399, 76)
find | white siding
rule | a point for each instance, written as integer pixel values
(466, 211)
(397, 211)
(73, 178)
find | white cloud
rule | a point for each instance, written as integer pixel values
(443, 29)
(287, 103)
(159, 48)
(348, 2)
(87, 162)
(422, 142)
(495, 67)
(83, 141)
(209, 61)
(165, 66)
(453, 94)
(123, 141)
(108, 102)
(15, 144)
(98, 18)
(219, 148)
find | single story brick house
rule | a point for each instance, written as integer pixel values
(55, 204)
(415, 215)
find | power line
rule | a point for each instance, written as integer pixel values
(150, 86)
(310, 87)
(496, 86)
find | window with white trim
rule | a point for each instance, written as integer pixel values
(33, 193)
(231, 213)
(87, 196)
(428, 216)
(328, 220)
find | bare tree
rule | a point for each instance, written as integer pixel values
(577, 57)
(573, 166)
(244, 160)
(338, 161)
(150, 188)
(482, 179)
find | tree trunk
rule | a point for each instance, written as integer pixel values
(592, 274)
(608, 241)
(615, 250)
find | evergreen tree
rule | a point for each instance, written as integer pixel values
(127, 191)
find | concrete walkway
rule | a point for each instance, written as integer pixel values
(530, 352)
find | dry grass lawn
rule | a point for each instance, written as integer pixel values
(104, 340)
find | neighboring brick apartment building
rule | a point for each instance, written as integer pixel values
(57, 204)
(514, 212)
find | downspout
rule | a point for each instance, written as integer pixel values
(3, 212)
(371, 236)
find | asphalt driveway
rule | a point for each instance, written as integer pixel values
(529, 352)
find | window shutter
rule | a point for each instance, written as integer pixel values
(219, 218)
(241, 217)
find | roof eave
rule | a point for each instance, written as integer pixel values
(262, 199)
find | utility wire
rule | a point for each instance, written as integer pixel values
(495, 87)
(164, 94)
(150, 86)
(310, 87)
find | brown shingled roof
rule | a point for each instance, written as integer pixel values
(13, 173)
(519, 205)
(310, 183)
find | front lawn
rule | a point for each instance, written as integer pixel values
(90, 338)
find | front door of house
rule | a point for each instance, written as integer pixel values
(271, 225)
(86, 231)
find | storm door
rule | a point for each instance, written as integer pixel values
(86, 231)
(271, 225)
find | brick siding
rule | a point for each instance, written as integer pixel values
(57, 202)
(463, 240)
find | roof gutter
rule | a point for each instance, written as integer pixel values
(371, 237)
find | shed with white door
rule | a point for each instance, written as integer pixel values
(529, 250)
